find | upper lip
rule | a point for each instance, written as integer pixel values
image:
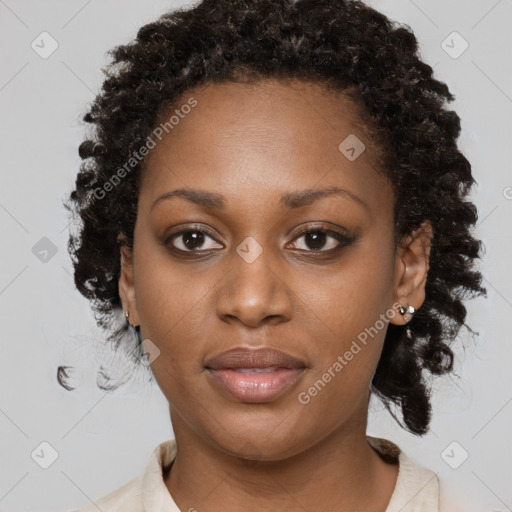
(265, 357)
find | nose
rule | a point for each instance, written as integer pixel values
(255, 293)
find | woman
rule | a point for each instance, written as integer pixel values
(274, 198)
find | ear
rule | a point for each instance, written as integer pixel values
(411, 269)
(126, 282)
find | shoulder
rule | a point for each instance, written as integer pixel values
(127, 498)
(417, 487)
(147, 491)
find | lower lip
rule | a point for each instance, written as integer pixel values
(255, 387)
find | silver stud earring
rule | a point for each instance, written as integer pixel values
(403, 311)
(127, 315)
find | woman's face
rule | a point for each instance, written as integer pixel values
(244, 275)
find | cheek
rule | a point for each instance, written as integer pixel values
(171, 302)
(347, 314)
(349, 297)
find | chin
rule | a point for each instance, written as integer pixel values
(267, 441)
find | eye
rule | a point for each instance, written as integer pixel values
(191, 240)
(318, 238)
(315, 240)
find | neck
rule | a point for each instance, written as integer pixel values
(339, 472)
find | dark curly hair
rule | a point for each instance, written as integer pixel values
(349, 48)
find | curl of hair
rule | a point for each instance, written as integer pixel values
(352, 50)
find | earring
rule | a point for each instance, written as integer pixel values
(403, 311)
(136, 327)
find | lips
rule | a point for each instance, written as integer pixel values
(265, 357)
(254, 375)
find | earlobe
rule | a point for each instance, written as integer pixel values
(126, 287)
(412, 267)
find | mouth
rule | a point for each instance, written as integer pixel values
(254, 375)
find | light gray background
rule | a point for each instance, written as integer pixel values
(104, 439)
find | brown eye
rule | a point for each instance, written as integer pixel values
(191, 240)
(321, 240)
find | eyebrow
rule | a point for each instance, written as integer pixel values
(291, 200)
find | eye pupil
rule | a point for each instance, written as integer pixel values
(193, 237)
(318, 239)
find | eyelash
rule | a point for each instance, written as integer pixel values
(343, 239)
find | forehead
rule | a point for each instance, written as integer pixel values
(260, 137)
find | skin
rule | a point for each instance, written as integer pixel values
(251, 143)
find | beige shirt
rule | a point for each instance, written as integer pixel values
(416, 488)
